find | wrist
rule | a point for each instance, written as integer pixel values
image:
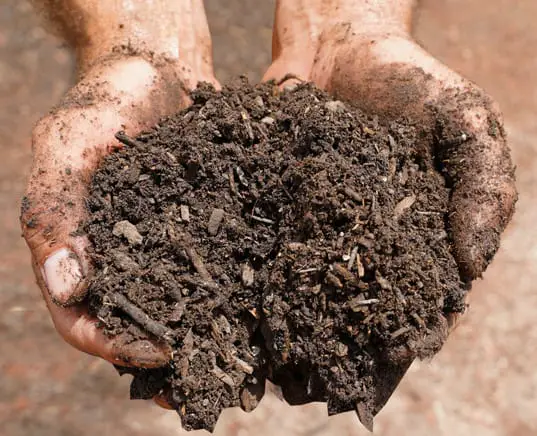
(96, 29)
(304, 28)
(125, 39)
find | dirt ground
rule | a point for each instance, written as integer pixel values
(482, 383)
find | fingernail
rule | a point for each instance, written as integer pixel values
(62, 274)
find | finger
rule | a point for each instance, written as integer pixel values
(477, 164)
(53, 208)
(287, 73)
(82, 332)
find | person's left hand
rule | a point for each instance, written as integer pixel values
(376, 64)
(363, 52)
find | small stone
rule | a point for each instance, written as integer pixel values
(247, 275)
(268, 121)
(215, 220)
(335, 106)
(259, 101)
(185, 213)
(129, 231)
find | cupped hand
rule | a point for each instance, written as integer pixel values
(365, 54)
(119, 92)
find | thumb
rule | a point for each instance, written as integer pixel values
(53, 209)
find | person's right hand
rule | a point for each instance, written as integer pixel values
(117, 91)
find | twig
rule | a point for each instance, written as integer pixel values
(352, 258)
(365, 302)
(247, 124)
(139, 316)
(429, 212)
(192, 281)
(352, 194)
(231, 178)
(262, 220)
(198, 264)
(127, 140)
(307, 270)
(454, 142)
(400, 332)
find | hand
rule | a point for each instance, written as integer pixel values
(119, 89)
(365, 53)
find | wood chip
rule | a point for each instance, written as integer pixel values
(231, 178)
(331, 279)
(178, 310)
(215, 220)
(357, 303)
(384, 284)
(186, 350)
(195, 282)
(341, 349)
(198, 264)
(403, 205)
(335, 106)
(223, 377)
(352, 258)
(343, 273)
(360, 266)
(419, 320)
(247, 275)
(400, 332)
(296, 246)
(248, 400)
(185, 213)
(124, 262)
(247, 124)
(268, 121)
(244, 366)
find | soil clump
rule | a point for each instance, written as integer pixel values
(280, 235)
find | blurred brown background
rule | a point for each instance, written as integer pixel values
(483, 382)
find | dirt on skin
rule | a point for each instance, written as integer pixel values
(274, 234)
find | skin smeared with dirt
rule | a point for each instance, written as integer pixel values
(280, 235)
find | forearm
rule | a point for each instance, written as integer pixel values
(319, 16)
(95, 28)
